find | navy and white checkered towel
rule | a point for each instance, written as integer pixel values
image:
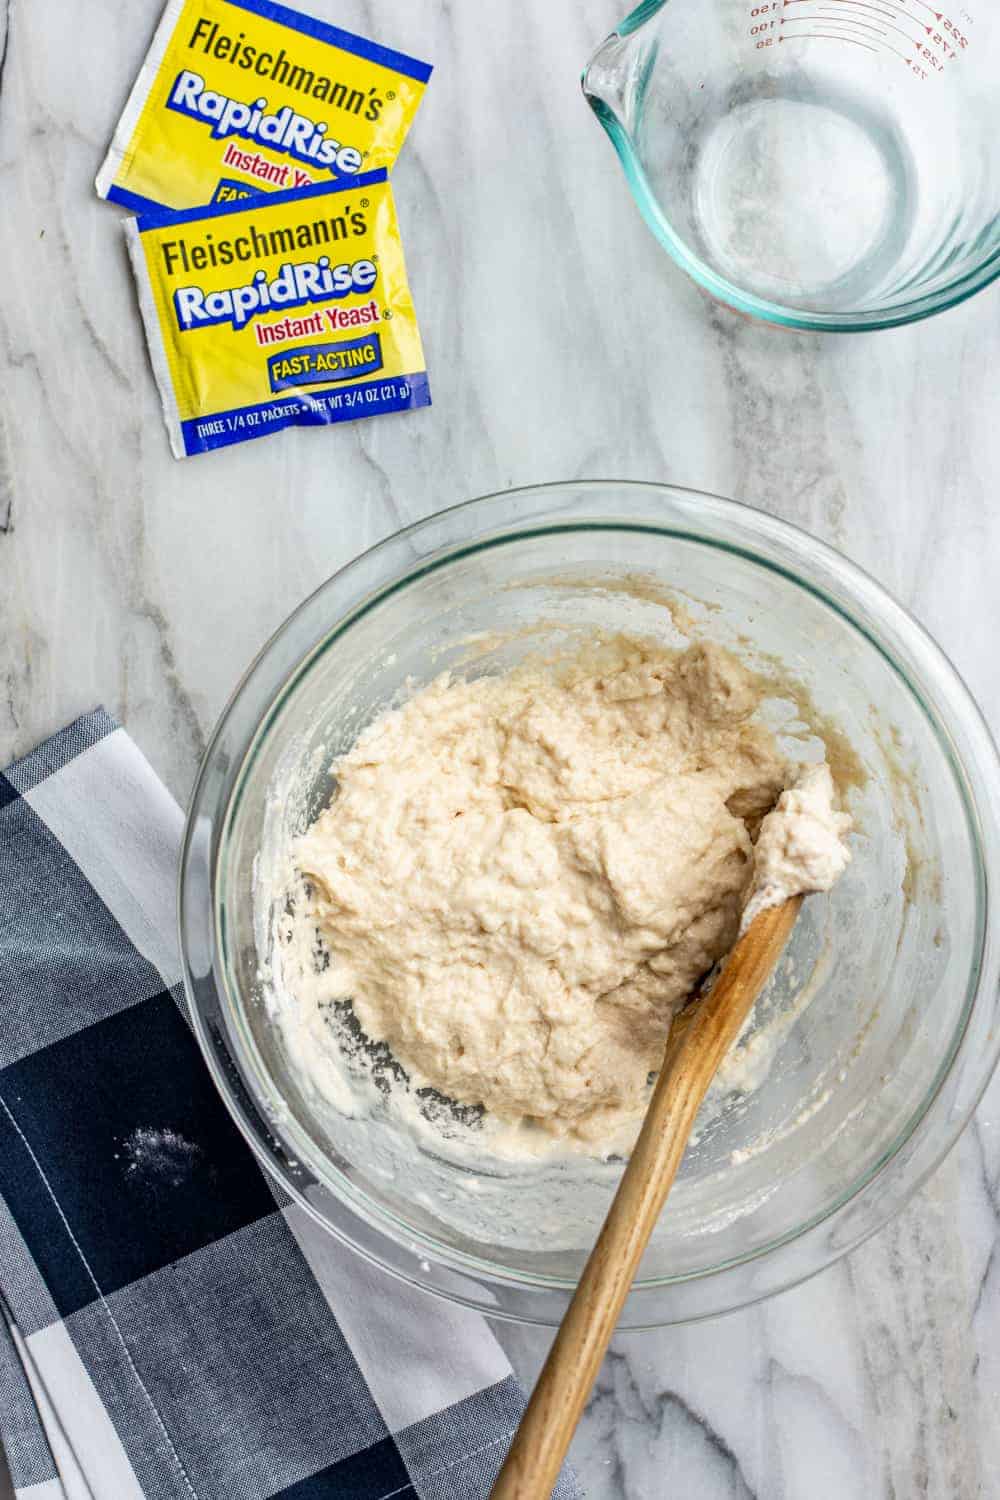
(168, 1330)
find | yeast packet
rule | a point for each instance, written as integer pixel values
(242, 97)
(282, 310)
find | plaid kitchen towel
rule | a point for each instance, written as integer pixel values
(169, 1329)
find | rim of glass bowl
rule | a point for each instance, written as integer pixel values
(286, 1149)
(954, 292)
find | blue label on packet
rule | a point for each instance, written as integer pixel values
(370, 399)
(319, 364)
(228, 190)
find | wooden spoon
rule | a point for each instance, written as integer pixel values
(694, 1052)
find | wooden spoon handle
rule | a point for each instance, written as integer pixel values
(532, 1464)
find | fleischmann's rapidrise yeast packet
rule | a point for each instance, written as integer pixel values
(240, 97)
(284, 310)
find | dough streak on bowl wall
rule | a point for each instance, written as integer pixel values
(521, 878)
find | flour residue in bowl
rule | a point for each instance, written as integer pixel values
(521, 878)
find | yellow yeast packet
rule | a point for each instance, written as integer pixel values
(285, 310)
(241, 97)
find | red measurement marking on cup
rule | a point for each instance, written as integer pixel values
(939, 15)
(866, 23)
(829, 36)
(823, 17)
(871, 44)
(887, 18)
(848, 28)
(928, 57)
(849, 20)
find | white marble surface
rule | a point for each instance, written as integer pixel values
(560, 343)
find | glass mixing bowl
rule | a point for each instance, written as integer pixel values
(818, 163)
(859, 1092)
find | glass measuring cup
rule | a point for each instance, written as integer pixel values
(829, 164)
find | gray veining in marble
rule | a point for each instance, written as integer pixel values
(560, 343)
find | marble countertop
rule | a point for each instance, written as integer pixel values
(560, 343)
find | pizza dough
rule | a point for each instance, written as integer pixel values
(520, 878)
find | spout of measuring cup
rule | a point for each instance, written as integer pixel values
(616, 78)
